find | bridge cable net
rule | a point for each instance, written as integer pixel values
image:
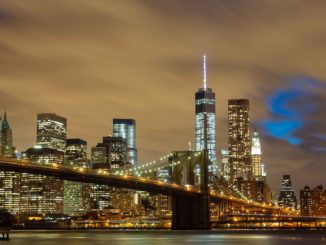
(233, 189)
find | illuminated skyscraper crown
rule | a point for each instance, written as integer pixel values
(256, 147)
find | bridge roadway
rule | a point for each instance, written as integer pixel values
(124, 181)
(98, 177)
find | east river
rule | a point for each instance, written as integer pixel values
(98, 237)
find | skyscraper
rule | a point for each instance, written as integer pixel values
(256, 158)
(239, 140)
(205, 120)
(6, 145)
(44, 194)
(76, 194)
(9, 181)
(287, 196)
(126, 128)
(51, 131)
(110, 154)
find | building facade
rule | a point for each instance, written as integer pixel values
(306, 201)
(287, 196)
(225, 164)
(259, 191)
(126, 128)
(206, 122)
(239, 140)
(313, 201)
(76, 194)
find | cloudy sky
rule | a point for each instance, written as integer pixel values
(92, 61)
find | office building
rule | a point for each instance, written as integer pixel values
(313, 201)
(76, 194)
(164, 203)
(9, 181)
(6, 141)
(256, 190)
(42, 194)
(109, 155)
(306, 201)
(287, 196)
(126, 128)
(239, 140)
(51, 131)
(206, 121)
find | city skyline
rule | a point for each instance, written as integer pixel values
(168, 78)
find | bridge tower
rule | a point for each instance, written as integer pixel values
(193, 213)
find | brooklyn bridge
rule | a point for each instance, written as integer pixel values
(198, 200)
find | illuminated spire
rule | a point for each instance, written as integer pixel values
(204, 72)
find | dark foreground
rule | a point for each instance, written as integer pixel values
(97, 237)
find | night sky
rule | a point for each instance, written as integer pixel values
(92, 61)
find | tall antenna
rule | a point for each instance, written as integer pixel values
(204, 72)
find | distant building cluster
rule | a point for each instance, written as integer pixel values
(32, 194)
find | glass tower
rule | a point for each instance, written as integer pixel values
(205, 119)
(126, 128)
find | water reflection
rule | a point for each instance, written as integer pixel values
(167, 237)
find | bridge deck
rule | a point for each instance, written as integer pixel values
(124, 181)
(96, 177)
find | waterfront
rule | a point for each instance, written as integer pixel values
(98, 237)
